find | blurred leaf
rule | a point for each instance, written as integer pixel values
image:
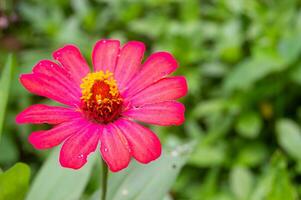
(190, 10)
(295, 74)
(209, 186)
(147, 182)
(5, 80)
(252, 154)
(290, 47)
(14, 182)
(275, 184)
(8, 145)
(209, 107)
(281, 187)
(229, 49)
(150, 181)
(167, 197)
(289, 137)
(246, 73)
(249, 125)
(241, 182)
(208, 155)
(214, 69)
(53, 182)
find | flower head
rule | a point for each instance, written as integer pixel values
(103, 106)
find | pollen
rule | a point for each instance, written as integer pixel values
(101, 100)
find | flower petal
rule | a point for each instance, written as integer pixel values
(55, 136)
(55, 71)
(76, 148)
(164, 90)
(114, 148)
(49, 87)
(144, 144)
(39, 114)
(104, 55)
(156, 67)
(129, 62)
(73, 61)
(163, 114)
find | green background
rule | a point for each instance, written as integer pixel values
(242, 62)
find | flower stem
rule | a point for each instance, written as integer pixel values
(104, 180)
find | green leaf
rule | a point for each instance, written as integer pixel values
(249, 71)
(14, 182)
(290, 46)
(209, 184)
(275, 183)
(8, 145)
(281, 187)
(289, 137)
(5, 80)
(249, 125)
(241, 182)
(147, 182)
(252, 154)
(208, 155)
(150, 181)
(53, 182)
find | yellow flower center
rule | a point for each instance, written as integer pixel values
(101, 99)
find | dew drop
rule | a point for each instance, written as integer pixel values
(135, 107)
(105, 149)
(174, 153)
(81, 156)
(124, 192)
(104, 41)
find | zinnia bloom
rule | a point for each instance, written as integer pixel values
(104, 105)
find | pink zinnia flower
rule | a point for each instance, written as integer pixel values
(103, 105)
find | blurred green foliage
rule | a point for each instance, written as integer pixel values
(241, 60)
(14, 182)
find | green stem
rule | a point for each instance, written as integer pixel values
(104, 180)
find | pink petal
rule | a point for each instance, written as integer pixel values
(129, 62)
(55, 136)
(73, 61)
(164, 90)
(39, 114)
(164, 113)
(76, 149)
(144, 144)
(62, 76)
(104, 55)
(114, 148)
(49, 87)
(156, 67)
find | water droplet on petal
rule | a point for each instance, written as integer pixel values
(81, 156)
(135, 107)
(105, 149)
(104, 41)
